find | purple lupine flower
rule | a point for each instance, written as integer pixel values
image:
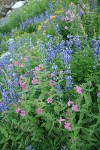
(85, 37)
(69, 82)
(96, 46)
(93, 44)
(15, 79)
(80, 13)
(93, 4)
(69, 36)
(5, 95)
(69, 43)
(59, 88)
(1, 106)
(54, 67)
(77, 42)
(10, 83)
(66, 56)
(57, 29)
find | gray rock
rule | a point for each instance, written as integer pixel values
(7, 6)
(9, 12)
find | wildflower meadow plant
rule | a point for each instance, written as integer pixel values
(50, 77)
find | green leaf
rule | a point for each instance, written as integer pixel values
(4, 132)
(56, 109)
(4, 146)
(88, 99)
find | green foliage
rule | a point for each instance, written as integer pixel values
(35, 120)
(82, 65)
(21, 131)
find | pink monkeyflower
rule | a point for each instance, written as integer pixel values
(39, 111)
(26, 58)
(21, 65)
(63, 19)
(73, 15)
(69, 103)
(61, 71)
(61, 120)
(37, 68)
(66, 18)
(52, 74)
(51, 82)
(19, 101)
(67, 12)
(20, 82)
(75, 108)
(67, 126)
(23, 113)
(78, 89)
(22, 85)
(17, 110)
(40, 65)
(66, 27)
(34, 81)
(21, 77)
(16, 63)
(71, 20)
(49, 100)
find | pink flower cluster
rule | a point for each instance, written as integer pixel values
(38, 68)
(39, 110)
(70, 103)
(66, 27)
(52, 74)
(22, 112)
(78, 89)
(35, 81)
(51, 82)
(22, 85)
(74, 107)
(66, 125)
(70, 16)
(18, 64)
(61, 72)
(26, 58)
(49, 100)
(61, 120)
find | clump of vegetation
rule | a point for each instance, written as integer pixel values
(49, 77)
